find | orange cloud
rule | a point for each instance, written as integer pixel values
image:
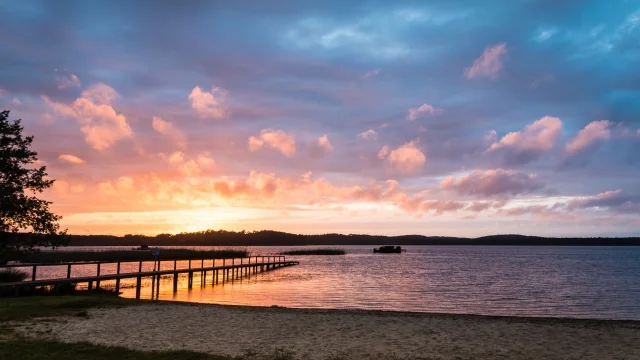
(282, 141)
(71, 159)
(101, 124)
(168, 129)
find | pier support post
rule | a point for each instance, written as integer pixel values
(33, 273)
(139, 281)
(98, 281)
(68, 271)
(118, 279)
(175, 282)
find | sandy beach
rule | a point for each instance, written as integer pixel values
(353, 334)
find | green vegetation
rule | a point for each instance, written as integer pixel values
(24, 308)
(28, 349)
(12, 275)
(315, 252)
(21, 181)
(129, 255)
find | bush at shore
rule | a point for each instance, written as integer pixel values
(12, 275)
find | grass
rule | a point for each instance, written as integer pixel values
(129, 255)
(315, 252)
(12, 275)
(29, 349)
(24, 308)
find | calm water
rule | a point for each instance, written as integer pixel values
(582, 282)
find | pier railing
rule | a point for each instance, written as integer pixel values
(228, 271)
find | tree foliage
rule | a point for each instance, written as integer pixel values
(26, 222)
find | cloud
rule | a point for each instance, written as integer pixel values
(71, 159)
(370, 134)
(491, 183)
(372, 73)
(594, 133)
(190, 168)
(440, 207)
(320, 146)
(101, 124)
(491, 136)
(489, 64)
(384, 152)
(408, 158)
(63, 187)
(168, 129)
(276, 139)
(527, 145)
(414, 113)
(16, 102)
(68, 81)
(209, 104)
(616, 200)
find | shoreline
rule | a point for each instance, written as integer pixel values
(392, 312)
(234, 330)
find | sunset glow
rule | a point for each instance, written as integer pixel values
(435, 118)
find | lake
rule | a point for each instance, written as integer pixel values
(577, 282)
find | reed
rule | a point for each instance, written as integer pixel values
(12, 275)
(315, 252)
(129, 255)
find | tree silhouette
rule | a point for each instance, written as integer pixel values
(20, 210)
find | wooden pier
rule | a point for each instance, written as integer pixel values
(229, 271)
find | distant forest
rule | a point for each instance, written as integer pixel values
(275, 238)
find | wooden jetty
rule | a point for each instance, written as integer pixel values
(224, 273)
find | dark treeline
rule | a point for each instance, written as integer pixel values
(275, 238)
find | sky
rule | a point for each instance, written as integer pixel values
(441, 117)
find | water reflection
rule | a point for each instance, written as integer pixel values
(590, 282)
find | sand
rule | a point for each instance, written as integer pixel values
(322, 334)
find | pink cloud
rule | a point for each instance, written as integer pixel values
(320, 146)
(369, 134)
(68, 81)
(489, 64)
(536, 138)
(615, 200)
(427, 109)
(408, 158)
(440, 207)
(71, 159)
(491, 183)
(277, 139)
(384, 152)
(101, 124)
(208, 104)
(595, 132)
(168, 129)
